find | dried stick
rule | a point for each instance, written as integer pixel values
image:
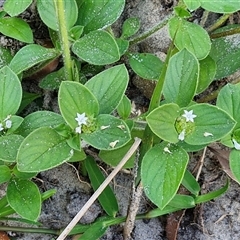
(88, 204)
(201, 163)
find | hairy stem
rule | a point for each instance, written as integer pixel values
(63, 34)
(151, 31)
(225, 33)
(218, 23)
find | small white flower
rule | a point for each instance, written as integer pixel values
(181, 136)
(236, 144)
(8, 124)
(78, 129)
(81, 119)
(1, 127)
(189, 115)
(167, 150)
(113, 144)
(104, 127)
(207, 134)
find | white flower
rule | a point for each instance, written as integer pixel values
(236, 144)
(181, 136)
(81, 119)
(78, 129)
(8, 124)
(1, 127)
(207, 134)
(189, 115)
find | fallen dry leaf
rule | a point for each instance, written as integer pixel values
(173, 222)
(4, 236)
(223, 158)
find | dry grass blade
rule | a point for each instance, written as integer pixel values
(88, 204)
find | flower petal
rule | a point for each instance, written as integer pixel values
(236, 144)
(189, 115)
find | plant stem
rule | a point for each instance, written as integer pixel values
(225, 33)
(63, 34)
(215, 93)
(218, 23)
(157, 93)
(29, 230)
(147, 34)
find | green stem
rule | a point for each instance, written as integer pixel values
(213, 95)
(147, 34)
(82, 228)
(157, 93)
(225, 33)
(148, 135)
(29, 230)
(218, 23)
(63, 34)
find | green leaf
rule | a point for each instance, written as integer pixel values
(190, 183)
(192, 4)
(123, 45)
(124, 108)
(220, 6)
(24, 197)
(162, 122)
(130, 27)
(181, 78)
(9, 146)
(10, 93)
(162, 172)
(191, 148)
(23, 175)
(182, 12)
(211, 120)
(95, 231)
(76, 32)
(77, 156)
(207, 73)
(182, 201)
(16, 28)
(5, 175)
(110, 133)
(97, 14)
(234, 161)
(41, 150)
(97, 47)
(31, 55)
(53, 80)
(113, 157)
(190, 36)
(210, 196)
(223, 51)
(107, 198)
(146, 65)
(47, 12)
(75, 98)
(109, 87)
(5, 57)
(39, 119)
(228, 100)
(14, 8)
